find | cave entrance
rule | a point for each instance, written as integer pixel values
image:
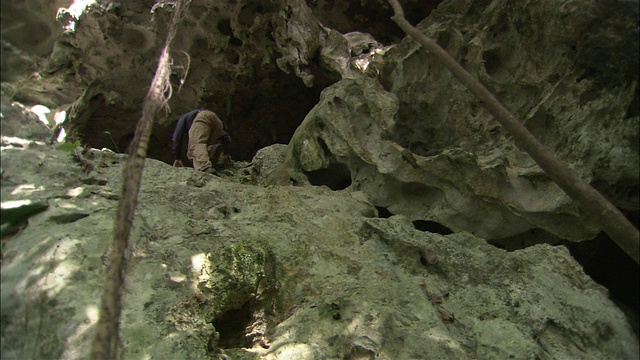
(432, 227)
(257, 115)
(611, 267)
(336, 176)
(232, 326)
(269, 115)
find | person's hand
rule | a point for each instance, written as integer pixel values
(178, 163)
(226, 159)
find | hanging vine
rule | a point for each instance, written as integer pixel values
(105, 344)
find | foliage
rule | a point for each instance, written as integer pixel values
(69, 146)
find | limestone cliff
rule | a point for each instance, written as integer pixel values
(568, 70)
(395, 180)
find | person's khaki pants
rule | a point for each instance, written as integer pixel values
(205, 131)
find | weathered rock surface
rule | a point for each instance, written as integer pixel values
(22, 122)
(234, 264)
(277, 273)
(254, 62)
(417, 143)
(262, 65)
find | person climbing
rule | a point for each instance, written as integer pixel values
(207, 140)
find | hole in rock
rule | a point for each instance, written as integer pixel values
(324, 147)
(261, 116)
(232, 327)
(337, 177)
(431, 226)
(234, 41)
(383, 212)
(492, 62)
(600, 258)
(224, 26)
(609, 266)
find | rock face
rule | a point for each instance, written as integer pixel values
(217, 266)
(386, 256)
(262, 64)
(419, 145)
(256, 63)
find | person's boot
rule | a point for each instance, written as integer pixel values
(216, 156)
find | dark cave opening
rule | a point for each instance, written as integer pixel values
(232, 327)
(257, 119)
(383, 212)
(336, 176)
(431, 226)
(609, 266)
(420, 225)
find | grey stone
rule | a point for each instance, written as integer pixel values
(218, 267)
(420, 145)
(229, 265)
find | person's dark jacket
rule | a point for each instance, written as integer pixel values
(182, 128)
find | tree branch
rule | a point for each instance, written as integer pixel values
(106, 339)
(610, 219)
